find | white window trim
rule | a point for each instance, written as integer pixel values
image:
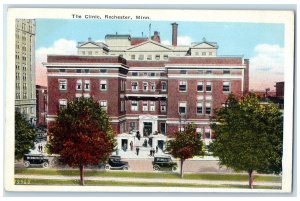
(228, 84)
(182, 104)
(199, 104)
(162, 84)
(89, 84)
(211, 87)
(182, 83)
(79, 83)
(65, 84)
(145, 107)
(200, 83)
(106, 104)
(137, 106)
(137, 86)
(103, 82)
(152, 106)
(145, 84)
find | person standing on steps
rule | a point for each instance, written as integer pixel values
(137, 151)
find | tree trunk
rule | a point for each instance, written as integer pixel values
(81, 168)
(250, 173)
(181, 168)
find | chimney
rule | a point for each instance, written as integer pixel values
(174, 34)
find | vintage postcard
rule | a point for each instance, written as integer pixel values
(133, 100)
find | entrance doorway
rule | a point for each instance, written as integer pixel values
(147, 130)
(160, 144)
(124, 143)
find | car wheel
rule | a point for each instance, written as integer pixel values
(107, 167)
(174, 168)
(26, 164)
(125, 168)
(45, 164)
(156, 167)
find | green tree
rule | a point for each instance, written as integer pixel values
(249, 136)
(186, 144)
(24, 135)
(82, 135)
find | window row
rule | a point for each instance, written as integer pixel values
(101, 70)
(148, 86)
(200, 109)
(201, 86)
(83, 85)
(225, 72)
(149, 57)
(148, 106)
(63, 104)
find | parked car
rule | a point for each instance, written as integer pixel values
(164, 163)
(115, 162)
(35, 159)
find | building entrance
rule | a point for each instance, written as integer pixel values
(147, 130)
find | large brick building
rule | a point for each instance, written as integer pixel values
(147, 86)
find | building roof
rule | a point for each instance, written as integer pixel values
(119, 36)
(85, 59)
(138, 40)
(206, 60)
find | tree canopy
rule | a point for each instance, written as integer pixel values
(249, 136)
(82, 134)
(24, 135)
(186, 144)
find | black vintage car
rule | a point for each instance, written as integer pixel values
(164, 163)
(115, 163)
(35, 159)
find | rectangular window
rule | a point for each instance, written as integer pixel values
(199, 108)
(226, 86)
(145, 105)
(122, 105)
(78, 70)
(200, 86)
(103, 70)
(163, 86)
(62, 104)
(208, 108)
(152, 106)
(207, 133)
(163, 128)
(134, 86)
(157, 57)
(87, 85)
(182, 86)
(132, 125)
(86, 70)
(62, 70)
(226, 72)
(182, 108)
(149, 57)
(134, 74)
(90, 52)
(145, 86)
(163, 106)
(208, 87)
(200, 71)
(153, 87)
(152, 74)
(203, 53)
(183, 72)
(103, 85)
(141, 57)
(210, 53)
(79, 85)
(133, 57)
(134, 105)
(103, 105)
(209, 72)
(62, 84)
(166, 57)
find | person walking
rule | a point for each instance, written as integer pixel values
(137, 150)
(131, 145)
(156, 148)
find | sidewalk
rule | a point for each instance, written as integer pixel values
(150, 180)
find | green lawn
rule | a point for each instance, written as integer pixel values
(204, 176)
(136, 184)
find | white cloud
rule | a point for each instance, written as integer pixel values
(61, 46)
(267, 66)
(184, 40)
(166, 42)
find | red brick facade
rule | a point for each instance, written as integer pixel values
(41, 105)
(157, 90)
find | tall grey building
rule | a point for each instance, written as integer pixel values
(25, 94)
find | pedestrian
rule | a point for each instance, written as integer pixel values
(131, 145)
(156, 148)
(150, 152)
(138, 135)
(41, 148)
(137, 151)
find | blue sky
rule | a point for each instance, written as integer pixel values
(255, 41)
(233, 38)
